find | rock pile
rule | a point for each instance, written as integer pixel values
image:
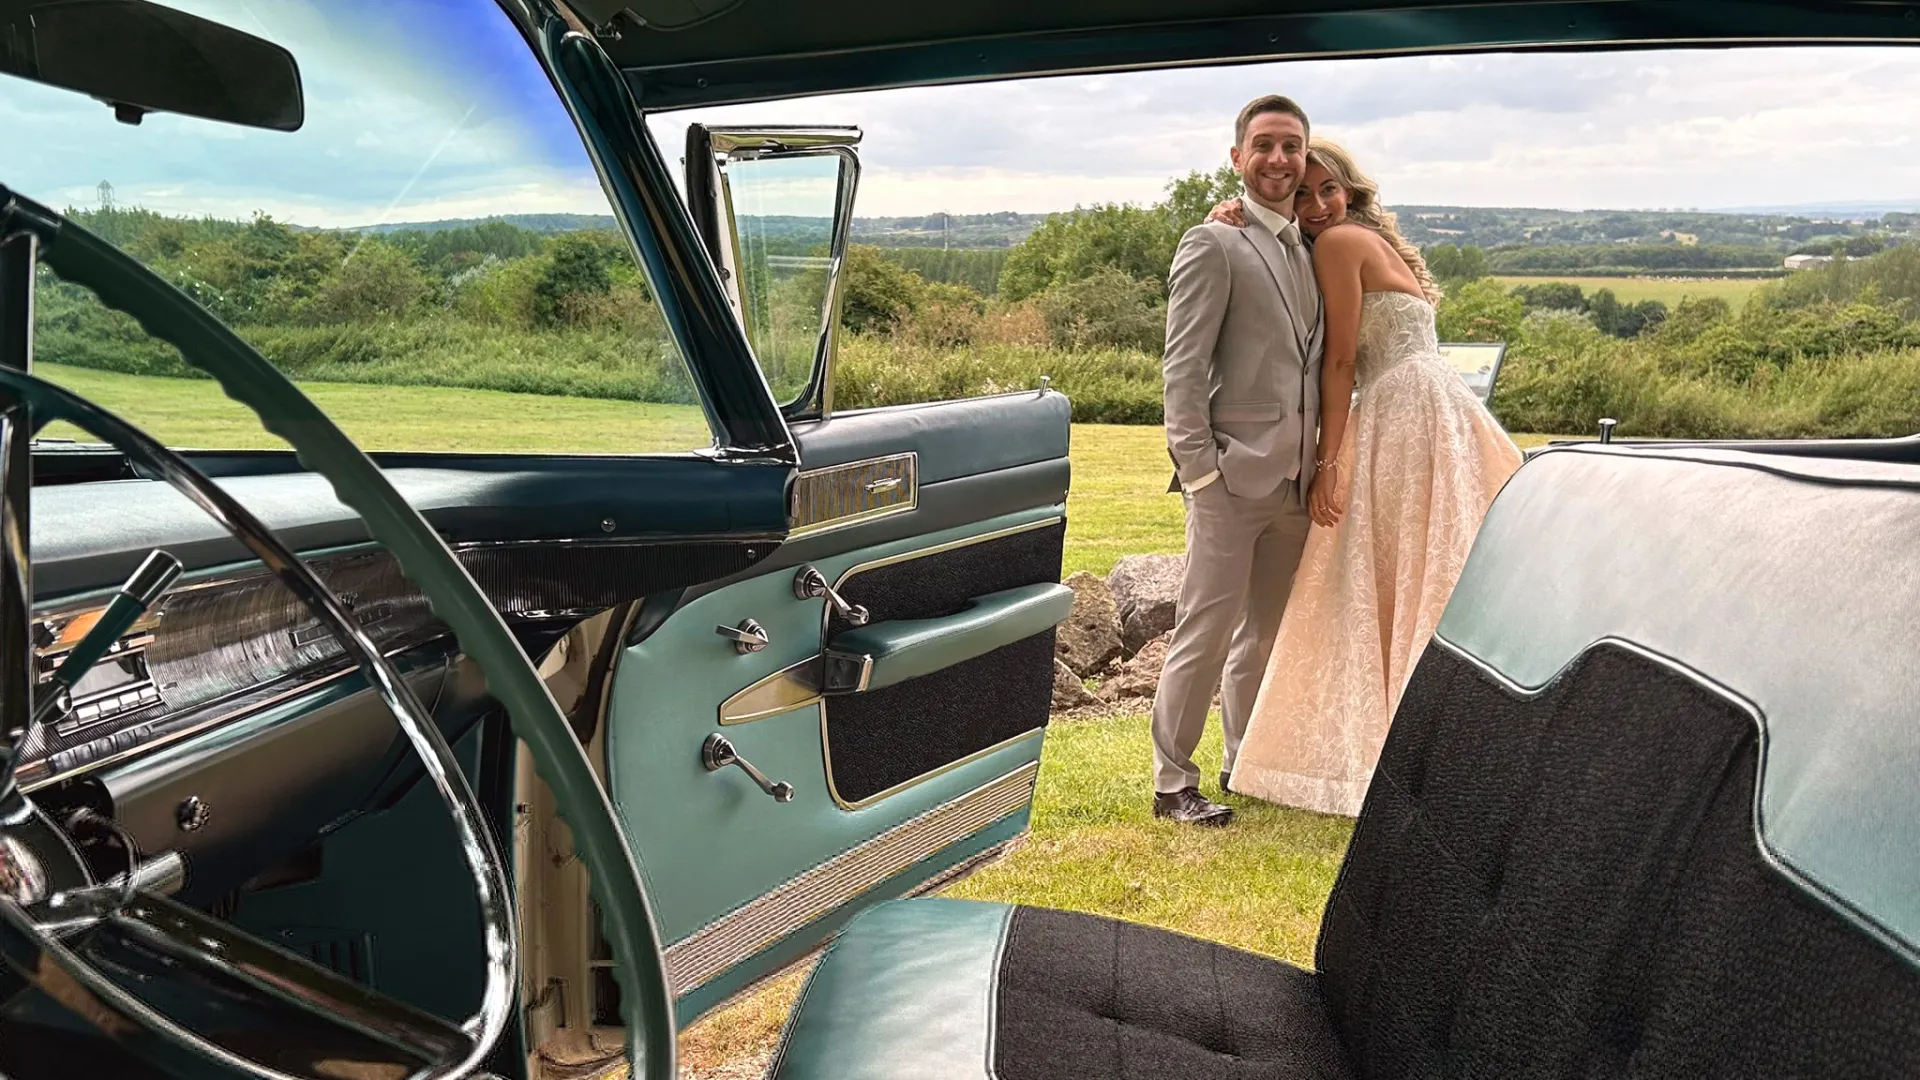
(1117, 633)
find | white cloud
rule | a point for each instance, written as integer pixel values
(1620, 130)
(438, 111)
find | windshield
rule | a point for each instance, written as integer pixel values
(430, 256)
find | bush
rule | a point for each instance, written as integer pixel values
(1480, 311)
(1552, 296)
(876, 292)
(1454, 265)
(1893, 276)
(1107, 310)
(578, 270)
(1132, 240)
(1105, 386)
(377, 281)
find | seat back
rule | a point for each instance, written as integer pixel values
(1648, 808)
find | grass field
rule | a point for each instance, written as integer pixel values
(1119, 504)
(1669, 291)
(193, 412)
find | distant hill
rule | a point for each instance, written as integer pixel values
(1842, 210)
(1003, 229)
(1476, 226)
(544, 224)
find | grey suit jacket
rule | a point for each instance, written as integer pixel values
(1242, 364)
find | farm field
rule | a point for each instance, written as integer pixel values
(1668, 291)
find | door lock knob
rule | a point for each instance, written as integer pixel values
(748, 637)
(718, 752)
(810, 583)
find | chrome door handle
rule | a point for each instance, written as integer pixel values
(748, 637)
(717, 753)
(809, 584)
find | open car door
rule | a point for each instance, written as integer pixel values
(860, 715)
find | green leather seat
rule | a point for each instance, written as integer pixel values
(1611, 834)
(955, 989)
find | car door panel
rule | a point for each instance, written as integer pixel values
(712, 845)
(894, 749)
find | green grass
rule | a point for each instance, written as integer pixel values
(193, 412)
(1259, 884)
(1120, 504)
(1669, 291)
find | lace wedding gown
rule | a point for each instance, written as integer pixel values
(1421, 461)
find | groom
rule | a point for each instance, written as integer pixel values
(1242, 373)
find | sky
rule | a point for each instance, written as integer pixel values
(435, 109)
(1640, 130)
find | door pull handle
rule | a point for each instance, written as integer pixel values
(718, 752)
(810, 584)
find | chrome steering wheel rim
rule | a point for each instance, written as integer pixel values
(478, 847)
(626, 916)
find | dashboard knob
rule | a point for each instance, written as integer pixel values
(192, 813)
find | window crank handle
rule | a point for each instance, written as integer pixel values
(718, 752)
(810, 583)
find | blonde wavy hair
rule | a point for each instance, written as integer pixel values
(1363, 207)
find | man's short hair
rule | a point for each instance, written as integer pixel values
(1270, 103)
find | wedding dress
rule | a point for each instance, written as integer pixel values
(1420, 463)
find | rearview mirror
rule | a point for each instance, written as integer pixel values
(140, 57)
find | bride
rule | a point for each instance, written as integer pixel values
(1417, 461)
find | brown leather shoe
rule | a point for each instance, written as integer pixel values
(1188, 807)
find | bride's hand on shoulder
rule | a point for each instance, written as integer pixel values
(1229, 212)
(1324, 502)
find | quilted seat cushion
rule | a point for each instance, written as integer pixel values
(1083, 997)
(950, 989)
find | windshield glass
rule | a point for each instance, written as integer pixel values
(431, 256)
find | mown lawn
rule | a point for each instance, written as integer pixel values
(1120, 504)
(1669, 291)
(194, 413)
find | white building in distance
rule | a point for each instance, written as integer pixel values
(1801, 262)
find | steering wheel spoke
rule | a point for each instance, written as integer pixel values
(68, 954)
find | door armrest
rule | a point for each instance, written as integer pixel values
(882, 654)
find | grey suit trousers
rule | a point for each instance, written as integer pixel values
(1241, 558)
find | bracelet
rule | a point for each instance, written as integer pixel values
(1323, 465)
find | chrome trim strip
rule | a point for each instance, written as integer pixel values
(714, 948)
(880, 487)
(794, 687)
(220, 712)
(951, 545)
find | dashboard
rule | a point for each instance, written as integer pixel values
(228, 712)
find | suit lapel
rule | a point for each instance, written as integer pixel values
(1275, 257)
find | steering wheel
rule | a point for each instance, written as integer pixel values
(48, 898)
